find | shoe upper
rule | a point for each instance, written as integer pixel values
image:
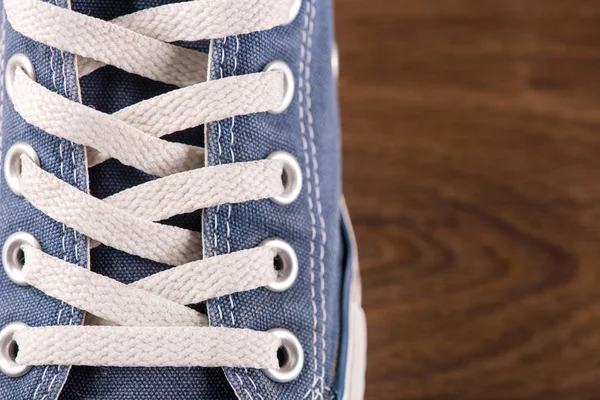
(312, 309)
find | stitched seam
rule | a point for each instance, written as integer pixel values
(253, 384)
(229, 206)
(223, 43)
(66, 92)
(227, 225)
(219, 154)
(318, 197)
(63, 225)
(302, 113)
(64, 229)
(2, 67)
(229, 209)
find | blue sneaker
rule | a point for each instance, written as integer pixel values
(172, 222)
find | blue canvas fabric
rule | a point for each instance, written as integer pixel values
(308, 129)
(54, 70)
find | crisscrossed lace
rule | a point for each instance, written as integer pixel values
(147, 322)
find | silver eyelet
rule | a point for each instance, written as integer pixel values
(12, 165)
(291, 177)
(291, 357)
(289, 85)
(294, 11)
(335, 62)
(286, 264)
(8, 351)
(12, 255)
(18, 60)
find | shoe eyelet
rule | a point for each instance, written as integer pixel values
(18, 60)
(289, 85)
(294, 11)
(291, 357)
(286, 264)
(12, 256)
(9, 350)
(291, 177)
(12, 165)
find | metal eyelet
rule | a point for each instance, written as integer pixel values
(290, 355)
(289, 85)
(291, 177)
(294, 11)
(13, 258)
(12, 165)
(9, 350)
(18, 60)
(286, 264)
(335, 62)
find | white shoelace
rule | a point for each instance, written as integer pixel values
(147, 322)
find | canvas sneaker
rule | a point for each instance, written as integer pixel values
(172, 224)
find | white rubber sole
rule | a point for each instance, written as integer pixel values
(356, 364)
(357, 357)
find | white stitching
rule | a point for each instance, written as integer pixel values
(251, 380)
(66, 92)
(217, 211)
(305, 68)
(2, 61)
(302, 113)
(64, 249)
(51, 384)
(318, 197)
(253, 384)
(220, 153)
(73, 90)
(239, 378)
(40, 384)
(231, 144)
(227, 225)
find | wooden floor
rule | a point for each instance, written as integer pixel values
(472, 170)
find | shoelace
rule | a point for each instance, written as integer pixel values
(153, 325)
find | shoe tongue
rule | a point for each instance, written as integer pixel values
(109, 90)
(110, 9)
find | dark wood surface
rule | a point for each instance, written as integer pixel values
(472, 171)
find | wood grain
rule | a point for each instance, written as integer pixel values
(472, 170)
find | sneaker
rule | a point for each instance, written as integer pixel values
(172, 222)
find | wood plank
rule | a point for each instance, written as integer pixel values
(472, 170)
